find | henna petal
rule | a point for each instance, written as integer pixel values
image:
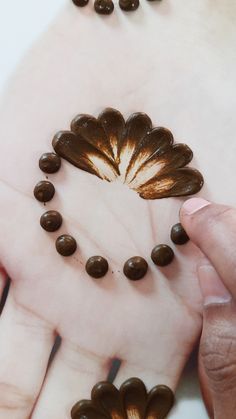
(160, 402)
(106, 396)
(179, 156)
(83, 155)
(159, 163)
(114, 125)
(86, 409)
(92, 131)
(134, 396)
(136, 128)
(179, 182)
(157, 142)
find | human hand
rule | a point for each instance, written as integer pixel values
(50, 294)
(212, 228)
(150, 325)
(56, 81)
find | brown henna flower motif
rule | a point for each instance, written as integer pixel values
(130, 402)
(144, 158)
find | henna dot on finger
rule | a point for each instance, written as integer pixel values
(97, 267)
(178, 234)
(50, 163)
(135, 268)
(66, 245)
(104, 7)
(162, 255)
(129, 5)
(51, 221)
(44, 191)
(80, 3)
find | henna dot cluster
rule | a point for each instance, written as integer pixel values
(51, 221)
(106, 7)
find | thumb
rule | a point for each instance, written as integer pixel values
(212, 228)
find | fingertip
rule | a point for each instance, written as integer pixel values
(193, 205)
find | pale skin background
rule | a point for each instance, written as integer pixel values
(176, 61)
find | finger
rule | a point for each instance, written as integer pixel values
(26, 342)
(71, 377)
(150, 376)
(213, 228)
(218, 343)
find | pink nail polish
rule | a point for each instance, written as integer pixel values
(193, 205)
(212, 288)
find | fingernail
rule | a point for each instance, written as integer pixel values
(193, 205)
(212, 288)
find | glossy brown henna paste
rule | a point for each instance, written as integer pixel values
(144, 158)
(82, 154)
(162, 255)
(104, 7)
(129, 5)
(49, 163)
(51, 221)
(135, 268)
(178, 235)
(80, 3)
(131, 401)
(66, 245)
(44, 191)
(96, 266)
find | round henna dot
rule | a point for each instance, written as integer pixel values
(66, 245)
(178, 234)
(135, 268)
(80, 3)
(97, 266)
(50, 163)
(51, 221)
(162, 255)
(44, 191)
(104, 7)
(129, 5)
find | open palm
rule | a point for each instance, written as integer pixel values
(151, 324)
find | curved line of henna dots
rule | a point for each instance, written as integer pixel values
(131, 401)
(141, 156)
(106, 7)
